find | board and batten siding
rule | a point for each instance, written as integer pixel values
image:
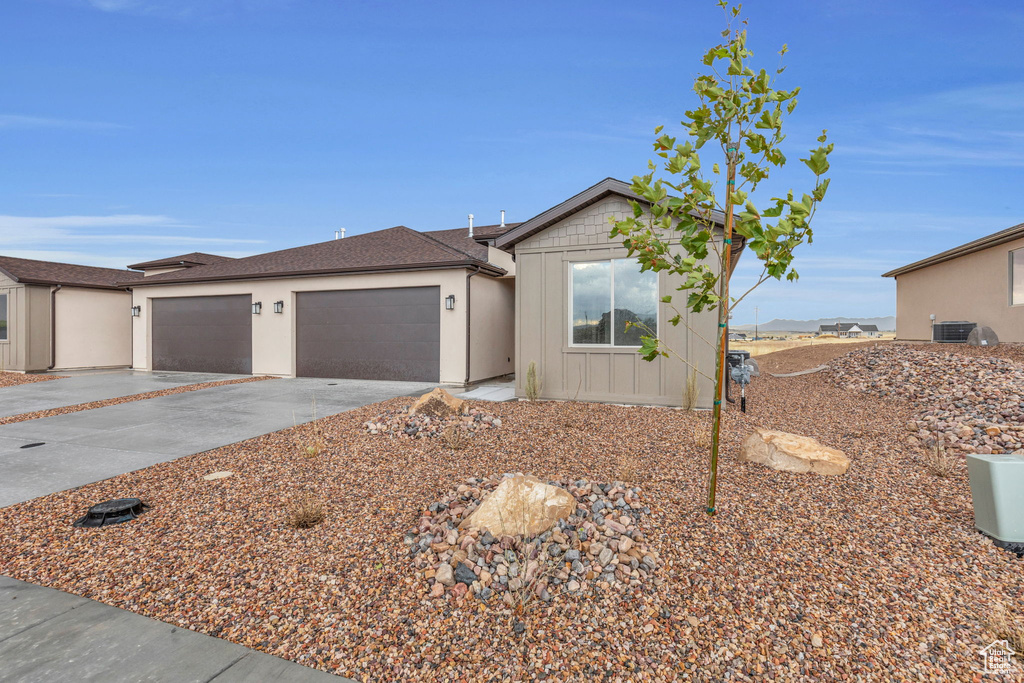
(27, 348)
(612, 374)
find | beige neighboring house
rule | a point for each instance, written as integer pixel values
(60, 316)
(576, 289)
(979, 282)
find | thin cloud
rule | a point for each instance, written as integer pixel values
(185, 9)
(20, 121)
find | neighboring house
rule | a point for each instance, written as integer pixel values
(737, 336)
(440, 306)
(849, 330)
(576, 288)
(63, 316)
(980, 282)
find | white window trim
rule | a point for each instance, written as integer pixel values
(610, 346)
(1009, 271)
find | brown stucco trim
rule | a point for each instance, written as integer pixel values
(992, 240)
(487, 268)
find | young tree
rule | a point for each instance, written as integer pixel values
(673, 230)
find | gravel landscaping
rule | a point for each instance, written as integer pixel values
(13, 379)
(78, 407)
(877, 574)
(971, 403)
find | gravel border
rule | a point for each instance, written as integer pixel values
(13, 379)
(78, 407)
(875, 575)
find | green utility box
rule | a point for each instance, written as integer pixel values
(997, 487)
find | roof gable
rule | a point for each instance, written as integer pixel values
(196, 258)
(589, 196)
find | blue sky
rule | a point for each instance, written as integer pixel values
(135, 129)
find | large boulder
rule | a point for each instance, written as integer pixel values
(792, 453)
(438, 403)
(521, 506)
(982, 336)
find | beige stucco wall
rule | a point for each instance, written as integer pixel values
(597, 373)
(974, 287)
(36, 322)
(273, 343)
(492, 327)
(93, 328)
(502, 259)
(149, 272)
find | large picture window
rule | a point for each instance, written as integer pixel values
(608, 294)
(1017, 277)
(3, 317)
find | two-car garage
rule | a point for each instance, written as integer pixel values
(385, 333)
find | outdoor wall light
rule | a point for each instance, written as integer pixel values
(278, 307)
(449, 302)
(136, 311)
(257, 306)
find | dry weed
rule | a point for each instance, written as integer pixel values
(454, 437)
(692, 391)
(627, 469)
(702, 435)
(937, 461)
(304, 511)
(1002, 622)
(533, 383)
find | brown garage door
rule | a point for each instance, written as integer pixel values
(369, 334)
(203, 334)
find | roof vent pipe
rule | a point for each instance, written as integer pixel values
(503, 218)
(339, 234)
(470, 225)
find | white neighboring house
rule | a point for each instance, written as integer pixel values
(850, 330)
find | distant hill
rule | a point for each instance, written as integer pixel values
(886, 324)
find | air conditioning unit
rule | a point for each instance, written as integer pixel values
(952, 331)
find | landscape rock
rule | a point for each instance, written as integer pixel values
(521, 506)
(966, 400)
(438, 403)
(982, 336)
(553, 559)
(792, 453)
(444, 575)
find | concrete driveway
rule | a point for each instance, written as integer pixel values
(91, 445)
(95, 385)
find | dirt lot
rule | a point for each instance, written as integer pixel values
(807, 357)
(13, 379)
(875, 575)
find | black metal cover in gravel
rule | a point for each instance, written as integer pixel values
(112, 512)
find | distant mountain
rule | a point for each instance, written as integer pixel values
(886, 324)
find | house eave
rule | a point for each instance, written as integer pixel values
(994, 240)
(369, 270)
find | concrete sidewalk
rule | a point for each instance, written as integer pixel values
(47, 636)
(92, 445)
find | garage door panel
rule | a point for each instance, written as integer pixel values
(402, 332)
(203, 334)
(369, 334)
